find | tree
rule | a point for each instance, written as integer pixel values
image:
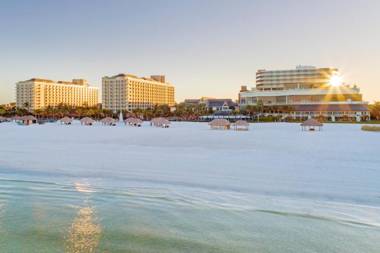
(375, 110)
(3, 110)
(260, 108)
(26, 106)
(250, 110)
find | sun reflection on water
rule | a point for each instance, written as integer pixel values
(84, 234)
(83, 187)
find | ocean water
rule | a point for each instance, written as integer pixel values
(189, 189)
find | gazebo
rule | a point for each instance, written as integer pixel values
(28, 120)
(66, 120)
(134, 122)
(87, 121)
(108, 121)
(241, 125)
(160, 122)
(221, 124)
(311, 125)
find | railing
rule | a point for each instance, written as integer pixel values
(310, 103)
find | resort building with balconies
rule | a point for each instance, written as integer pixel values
(37, 93)
(129, 92)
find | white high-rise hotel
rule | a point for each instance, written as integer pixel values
(129, 92)
(37, 93)
(306, 92)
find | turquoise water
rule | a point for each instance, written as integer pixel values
(186, 189)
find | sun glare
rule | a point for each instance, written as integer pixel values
(336, 80)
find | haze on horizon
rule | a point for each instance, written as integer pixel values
(205, 48)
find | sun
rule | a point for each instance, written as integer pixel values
(336, 80)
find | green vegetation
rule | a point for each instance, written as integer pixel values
(11, 110)
(181, 111)
(55, 112)
(375, 111)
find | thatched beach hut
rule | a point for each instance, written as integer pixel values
(87, 121)
(17, 119)
(108, 121)
(133, 122)
(241, 125)
(66, 120)
(28, 120)
(371, 128)
(3, 119)
(160, 122)
(311, 125)
(221, 124)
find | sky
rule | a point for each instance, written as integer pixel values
(204, 47)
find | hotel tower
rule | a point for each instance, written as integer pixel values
(128, 92)
(306, 92)
(39, 93)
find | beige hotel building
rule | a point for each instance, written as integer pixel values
(128, 92)
(39, 93)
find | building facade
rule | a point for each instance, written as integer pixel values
(39, 93)
(129, 92)
(215, 104)
(306, 92)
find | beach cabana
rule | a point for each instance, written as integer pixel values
(134, 122)
(108, 121)
(66, 121)
(311, 125)
(221, 124)
(3, 119)
(17, 119)
(241, 125)
(160, 122)
(86, 121)
(28, 120)
(371, 128)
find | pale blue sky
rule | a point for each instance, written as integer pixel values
(205, 48)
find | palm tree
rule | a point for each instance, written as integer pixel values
(260, 108)
(26, 106)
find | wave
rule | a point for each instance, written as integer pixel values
(322, 218)
(200, 198)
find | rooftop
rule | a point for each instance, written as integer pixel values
(155, 78)
(72, 82)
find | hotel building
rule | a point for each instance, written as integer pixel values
(39, 93)
(306, 92)
(128, 92)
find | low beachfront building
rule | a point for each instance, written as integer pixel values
(37, 93)
(305, 92)
(214, 104)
